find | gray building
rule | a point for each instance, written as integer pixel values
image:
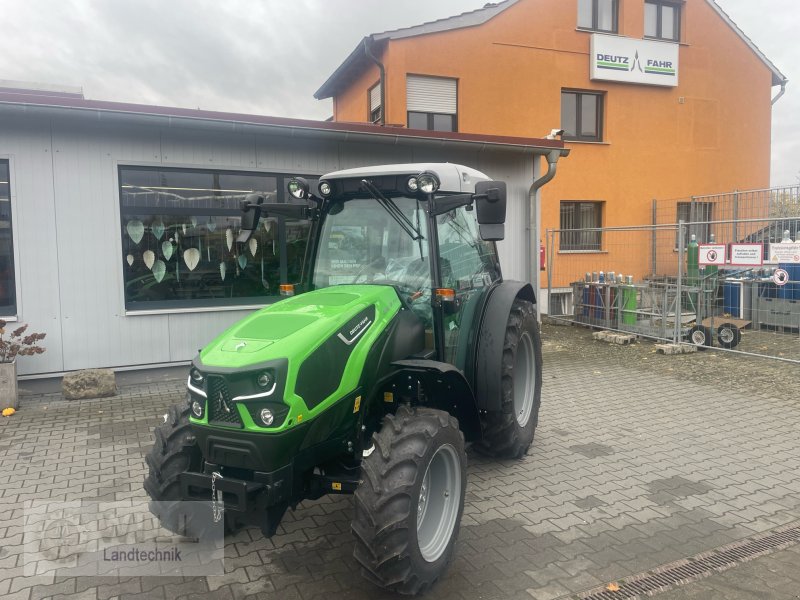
(116, 219)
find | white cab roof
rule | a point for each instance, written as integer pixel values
(452, 177)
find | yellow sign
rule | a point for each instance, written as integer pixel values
(357, 404)
(388, 397)
(336, 486)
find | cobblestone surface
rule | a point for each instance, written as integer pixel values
(632, 467)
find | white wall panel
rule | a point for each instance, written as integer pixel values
(205, 149)
(26, 142)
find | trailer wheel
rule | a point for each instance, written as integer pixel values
(410, 500)
(174, 452)
(700, 336)
(509, 432)
(728, 335)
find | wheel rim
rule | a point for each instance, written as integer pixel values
(726, 335)
(438, 503)
(698, 338)
(524, 376)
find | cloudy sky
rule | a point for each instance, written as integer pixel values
(269, 56)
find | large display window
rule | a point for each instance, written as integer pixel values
(179, 249)
(8, 289)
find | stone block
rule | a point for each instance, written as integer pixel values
(675, 348)
(89, 383)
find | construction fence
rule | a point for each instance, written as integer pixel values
(731, 283)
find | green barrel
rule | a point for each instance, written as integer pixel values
(629, 304)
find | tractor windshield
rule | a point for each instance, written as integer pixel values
(362, 242)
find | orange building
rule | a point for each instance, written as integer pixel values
(657, 99)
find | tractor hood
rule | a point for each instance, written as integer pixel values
(293, 327)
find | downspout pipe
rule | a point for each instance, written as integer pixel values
(535, 220)
(382, 71)
(782, 92)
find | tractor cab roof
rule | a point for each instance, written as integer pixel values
(452, 177)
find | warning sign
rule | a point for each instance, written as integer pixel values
(784, 253)
(780, 277)
(747, 255)
(712, 254)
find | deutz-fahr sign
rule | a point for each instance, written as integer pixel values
(629, 60)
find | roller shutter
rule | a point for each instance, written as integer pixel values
(374, 97)
(431, 95)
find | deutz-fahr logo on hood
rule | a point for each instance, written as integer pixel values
(356, 327)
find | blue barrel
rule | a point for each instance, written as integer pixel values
(731, 299)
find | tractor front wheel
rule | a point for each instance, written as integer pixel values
(410, 500)
(174, 452)
(508, 433)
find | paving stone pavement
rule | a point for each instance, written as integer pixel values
(629, 470)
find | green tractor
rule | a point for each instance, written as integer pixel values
(401, 344)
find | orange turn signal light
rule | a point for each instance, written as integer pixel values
(445, 294)
(287, 289)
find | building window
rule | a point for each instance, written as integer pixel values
(582, 116)
(662, 20)
(691, 213)
(179, 228)
(432, 103)
(8, 288)
(598, 15)
(375, 107)
(431, 121)
(580, 225)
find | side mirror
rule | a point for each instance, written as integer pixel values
(251, 215)
(490, 204)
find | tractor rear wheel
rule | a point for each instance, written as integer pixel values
(508, 433)
(174, 452)
(410, 500)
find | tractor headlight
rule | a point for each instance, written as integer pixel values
(325, 189)
(265, 379)
(298, 188)
(412, 184)
(197, 376)
(428, 182)
(197, 409)
(266, 416)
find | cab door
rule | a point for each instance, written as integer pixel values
(469, 265)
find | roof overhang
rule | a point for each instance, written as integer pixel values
(164, 116)
(778, 78)
(357, 60)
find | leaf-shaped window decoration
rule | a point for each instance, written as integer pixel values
(229, 238)
(253, 244)
(135, 230)
(167, 248)
(242, 260)
(158, 230)
(191, 257)
(159, 270)
(149, 258)
(222, 270)
(211, 225)
(130, 259)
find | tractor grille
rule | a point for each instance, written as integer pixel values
(221, 411)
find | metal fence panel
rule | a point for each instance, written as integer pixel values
(643, 280)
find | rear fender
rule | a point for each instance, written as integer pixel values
(489, 359)
(447, 389)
